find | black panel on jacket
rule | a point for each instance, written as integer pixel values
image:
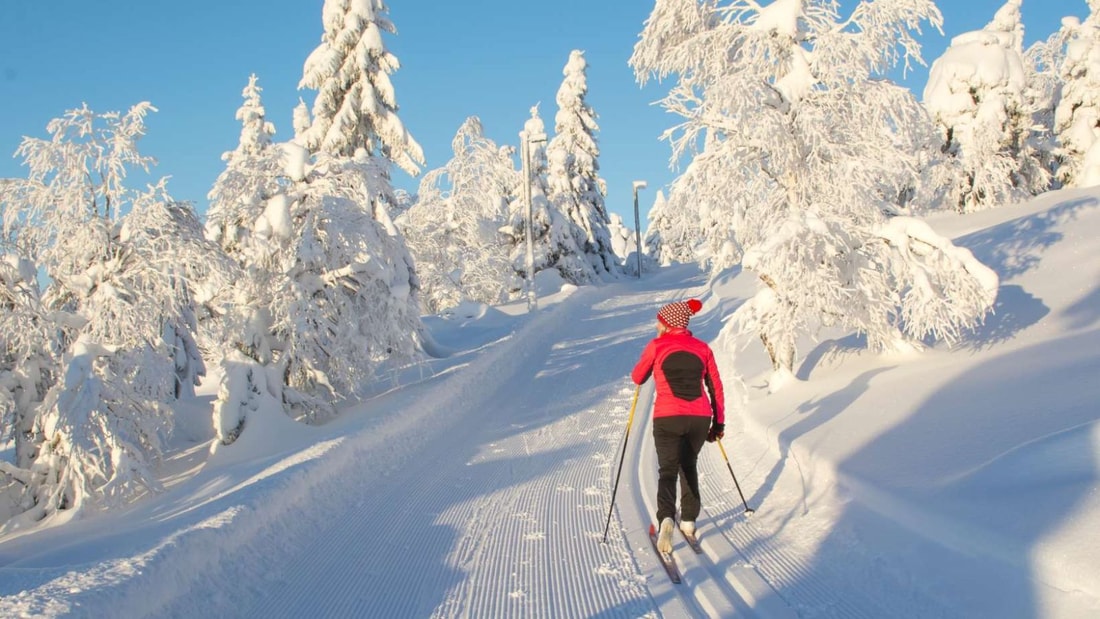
(684, 373)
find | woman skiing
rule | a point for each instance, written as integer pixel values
(683, 417)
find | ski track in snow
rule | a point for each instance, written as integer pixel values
(501, 510)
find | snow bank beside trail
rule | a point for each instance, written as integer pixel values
(990, 449)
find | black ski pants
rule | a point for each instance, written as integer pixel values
(678, 440)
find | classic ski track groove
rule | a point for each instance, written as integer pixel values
(775, 582)
(801, 585)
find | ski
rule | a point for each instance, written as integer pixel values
(693, 541)
(666, 558)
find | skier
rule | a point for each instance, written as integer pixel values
(683, 418)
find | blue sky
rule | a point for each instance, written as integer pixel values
(489, 58)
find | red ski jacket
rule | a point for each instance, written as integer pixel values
(682, 365)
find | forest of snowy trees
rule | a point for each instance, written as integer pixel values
(307, 276)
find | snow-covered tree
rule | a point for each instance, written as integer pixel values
(554, 235)
(252, 175)
(356, 106)
(330, 293)
(1077, 115)
(576, 189)
(694, 224)
(347, 299)
(120, 266)
(257, 131)
(1042, 62)
(671, 234)
(978, 95)
(625, 243)
(327, 292)
(27, 356)
(622, 238)
(301, 122)
(789, 97)
(453, 230)
(327, 298)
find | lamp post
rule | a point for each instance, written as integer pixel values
(525, 141)
(638, 226)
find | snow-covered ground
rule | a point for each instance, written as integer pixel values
(958, 482)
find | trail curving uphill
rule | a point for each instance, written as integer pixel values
(481, 491)
(485, 496)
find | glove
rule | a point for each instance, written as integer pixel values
(717, 431)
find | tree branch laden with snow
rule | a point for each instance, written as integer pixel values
(780, 100)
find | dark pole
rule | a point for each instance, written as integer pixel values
(748, 510)
(638, 226)
(626, 437)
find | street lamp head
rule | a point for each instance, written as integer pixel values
(639, 185)
(532, 138)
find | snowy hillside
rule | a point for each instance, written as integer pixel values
(957, 482)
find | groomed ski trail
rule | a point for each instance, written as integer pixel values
(486, 495)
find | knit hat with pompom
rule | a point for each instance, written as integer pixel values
(677, 315)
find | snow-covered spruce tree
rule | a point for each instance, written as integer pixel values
(355, 138)
(326, 296)
(252, 176)
(453, 230)
(239, 331)
(356, 106)
(978, 95)
(790, 99)
(555, 235)
(1077, 115)
(576, 189)
(120, 266)
(331, 288)
(301, 122)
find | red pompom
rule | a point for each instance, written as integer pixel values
(695, 305)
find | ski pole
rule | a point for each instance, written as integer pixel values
(626, 437)
(748, 510)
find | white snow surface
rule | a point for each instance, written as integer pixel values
(958, 482)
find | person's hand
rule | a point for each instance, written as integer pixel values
(717, 431)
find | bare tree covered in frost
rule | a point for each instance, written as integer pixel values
(1042, 62)
(575, 186)
(789, 99)
(453, 230)
(1077, 115)
(28, 363)
(979, 96)
(117, 314)
(356, 106)
(555, 235)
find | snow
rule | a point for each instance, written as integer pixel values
(958, 482)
